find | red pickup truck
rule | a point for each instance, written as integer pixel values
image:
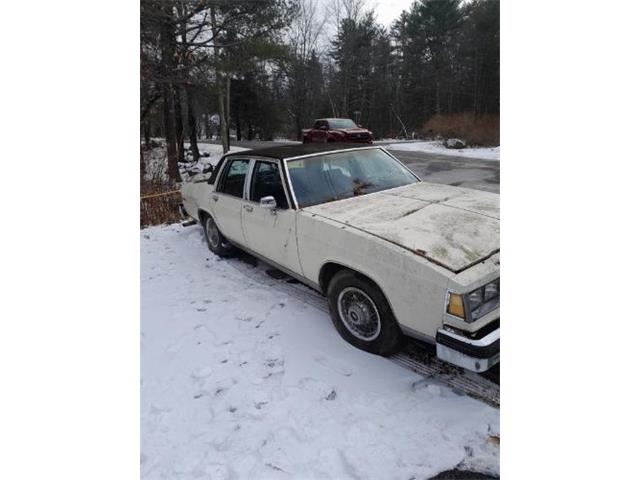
(336, 130)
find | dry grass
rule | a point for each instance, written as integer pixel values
(159, 208)
(481, 130)
(158, 198)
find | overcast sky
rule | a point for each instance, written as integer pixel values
(388, 10)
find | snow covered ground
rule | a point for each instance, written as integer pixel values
(239, 380)
(484, 153)
(215, 151)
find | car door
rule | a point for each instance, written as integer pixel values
(270, 233)
(319, 132)
(227, 199)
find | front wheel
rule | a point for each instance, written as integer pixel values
(215, 240)
(362, 315)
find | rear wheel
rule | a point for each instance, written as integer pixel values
(216, 242)
(362, 315)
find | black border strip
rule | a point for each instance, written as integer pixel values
(474, 351)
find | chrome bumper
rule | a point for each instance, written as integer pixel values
(477, 355)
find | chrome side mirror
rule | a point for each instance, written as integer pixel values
(268, 202)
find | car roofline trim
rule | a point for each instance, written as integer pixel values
(329, 152)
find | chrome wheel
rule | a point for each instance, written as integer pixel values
(359, 314)
(212, 233)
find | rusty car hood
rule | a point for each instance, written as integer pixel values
(450, 226)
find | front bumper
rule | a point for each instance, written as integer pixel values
(477, 355)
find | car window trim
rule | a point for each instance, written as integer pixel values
(288, 188)
(224, 170)
(282, 181)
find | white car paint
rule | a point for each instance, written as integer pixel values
(416, 242)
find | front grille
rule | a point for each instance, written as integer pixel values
(358, 136)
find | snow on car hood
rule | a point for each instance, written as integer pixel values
(451, 226)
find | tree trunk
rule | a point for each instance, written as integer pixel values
(142, 166)
(208, 133)
(224, 134)
(179, 126)
(227, 110)
(238, 125)
(170, 134)
(193, 125)
(168, 48)
(298, 128)
(146, 127)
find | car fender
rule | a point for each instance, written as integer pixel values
(414, 287)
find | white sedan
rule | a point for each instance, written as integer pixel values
(395, 256)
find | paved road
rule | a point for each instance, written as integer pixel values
(458, 171)
(432, 167)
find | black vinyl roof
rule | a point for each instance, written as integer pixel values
(298, 149)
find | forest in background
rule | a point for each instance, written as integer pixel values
(263, 69)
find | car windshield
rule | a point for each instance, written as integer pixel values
(335, 176)
(342, 123)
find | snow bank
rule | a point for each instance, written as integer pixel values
(484, 153)
(241, 381)
(214, 151)
(156, 159)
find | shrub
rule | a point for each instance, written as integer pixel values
(159, 208)
(482, 129)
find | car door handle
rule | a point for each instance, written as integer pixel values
(215, 197)
(248, 208)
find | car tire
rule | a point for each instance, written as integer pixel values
(216, 242)
(362, 315)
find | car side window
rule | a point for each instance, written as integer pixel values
(266, 181)
(232, 181)
(317, 124)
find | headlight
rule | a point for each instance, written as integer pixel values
(475, 299)
(475, 304)
(492, 290)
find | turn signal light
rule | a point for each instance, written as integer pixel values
(456, 306)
